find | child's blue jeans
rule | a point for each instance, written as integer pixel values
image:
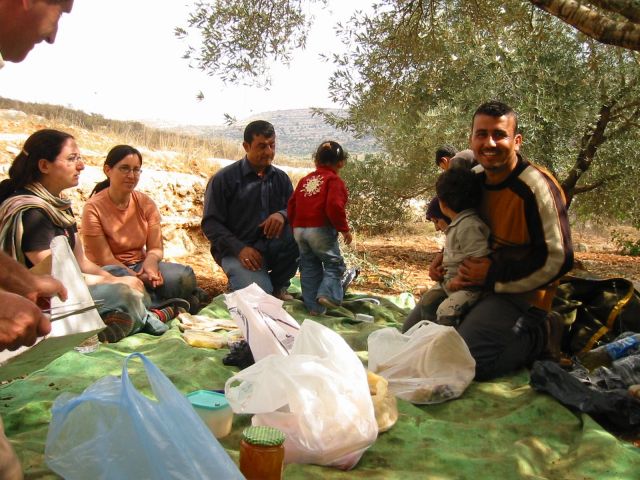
(321, 265)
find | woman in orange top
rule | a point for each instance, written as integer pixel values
(121, 231)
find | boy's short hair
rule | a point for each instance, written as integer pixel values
(434, 212)
(445, 151)
(459, 188)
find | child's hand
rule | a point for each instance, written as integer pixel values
(346, 236)
(456, 284)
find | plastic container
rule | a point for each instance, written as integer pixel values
(262, 453)
(214, 409)
(90, 345)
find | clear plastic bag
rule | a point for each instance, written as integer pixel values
(430, 363)
(112, 431)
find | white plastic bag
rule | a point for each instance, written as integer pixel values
(65, 333)
(430, 363)
(318, 396)
(265, 325)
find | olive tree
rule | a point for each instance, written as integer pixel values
(414, 71)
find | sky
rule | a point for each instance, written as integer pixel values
(120, 59)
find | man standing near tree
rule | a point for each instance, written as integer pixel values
(525, 209)
(245, 217)
(23, 24)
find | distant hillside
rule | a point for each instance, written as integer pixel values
(299, 132)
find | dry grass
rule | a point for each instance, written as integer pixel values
(99, 134)
(189, 153)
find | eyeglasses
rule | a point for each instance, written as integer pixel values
(125, 170)
(74, 158)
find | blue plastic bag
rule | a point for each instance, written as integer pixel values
(112, 431)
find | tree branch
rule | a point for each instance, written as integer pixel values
(591, 141)
(593, 186)
(629, 122)
(592, 23)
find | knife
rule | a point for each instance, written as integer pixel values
(74, 312)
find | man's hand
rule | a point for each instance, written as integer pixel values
(436, 270)
(250, 258)
(273, 225)
(473, 271)
(39, 288)
(21, 322)
(347, 237)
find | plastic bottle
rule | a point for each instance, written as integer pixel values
(606, 354)
(628, 369)
(262, 453)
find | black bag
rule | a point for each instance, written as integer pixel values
(595, 311)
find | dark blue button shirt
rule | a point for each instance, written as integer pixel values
(236, 201)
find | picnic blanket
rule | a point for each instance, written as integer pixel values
(498, 429)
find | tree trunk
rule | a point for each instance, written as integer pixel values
(591, 141)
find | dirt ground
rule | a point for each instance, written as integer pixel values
(395, 263)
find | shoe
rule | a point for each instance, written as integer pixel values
(239, 355)
(119, 325)
(325, 302)
(348, 277)
(195, 305)
(176, 303)
(283, 295)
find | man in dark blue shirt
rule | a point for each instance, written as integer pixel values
(245, 217)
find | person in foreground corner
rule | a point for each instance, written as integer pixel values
(121, 233)
(22, 26)
(525, 209)
(245, 217)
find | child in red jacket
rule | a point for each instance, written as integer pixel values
(316, 211)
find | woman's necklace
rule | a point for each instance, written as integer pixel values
(119, 203)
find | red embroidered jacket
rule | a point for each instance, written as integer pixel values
(319, 200)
